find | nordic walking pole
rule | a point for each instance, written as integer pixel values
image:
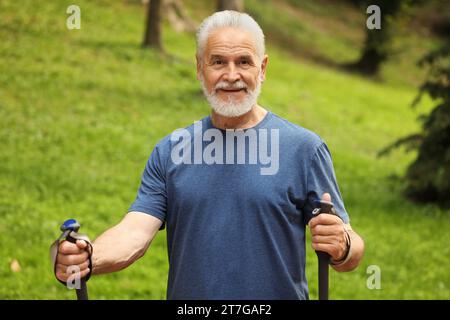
(324, 258)
(70, 233)
(74, 226)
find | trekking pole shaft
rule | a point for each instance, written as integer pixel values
(324, 259)
(82, 292)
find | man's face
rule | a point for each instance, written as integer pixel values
(230, 71)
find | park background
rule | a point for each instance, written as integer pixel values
(81, 110)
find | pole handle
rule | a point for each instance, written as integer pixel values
(323, 257)
(82, 293)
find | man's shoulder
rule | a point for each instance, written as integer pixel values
(297, 133)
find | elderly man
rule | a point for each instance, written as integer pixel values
(234, 190)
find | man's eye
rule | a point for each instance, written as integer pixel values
(217, 62)
(244, 63)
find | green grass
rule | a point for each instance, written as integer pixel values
(80, 112)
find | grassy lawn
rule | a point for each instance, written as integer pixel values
(81, 110)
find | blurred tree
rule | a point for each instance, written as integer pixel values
(237, 5)
(376, 44)
(177, 16)
(152, 37)
(428, 177)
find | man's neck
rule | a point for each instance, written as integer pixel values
(245, 121)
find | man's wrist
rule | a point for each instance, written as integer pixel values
(346, 255)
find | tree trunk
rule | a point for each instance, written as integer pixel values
(377, 44)
(152, 36)
(374, 52)
(237, 5)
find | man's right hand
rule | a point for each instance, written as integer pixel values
(71, 254)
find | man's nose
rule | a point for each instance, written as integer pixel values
(232, 73)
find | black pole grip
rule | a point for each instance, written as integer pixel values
(82, 293)
(323, 257)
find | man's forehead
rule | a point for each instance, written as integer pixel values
(230, 41)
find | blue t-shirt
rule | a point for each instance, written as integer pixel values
(235, 204)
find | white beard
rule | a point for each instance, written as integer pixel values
(231, 108)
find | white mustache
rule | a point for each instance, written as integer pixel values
(231, 86)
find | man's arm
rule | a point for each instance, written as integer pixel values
(124, 243)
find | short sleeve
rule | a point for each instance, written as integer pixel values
(321, 179)
(152, 195)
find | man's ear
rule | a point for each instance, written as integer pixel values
(264, 63)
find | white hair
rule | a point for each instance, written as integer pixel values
(233, 19)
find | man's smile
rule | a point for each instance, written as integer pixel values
(232, 90)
